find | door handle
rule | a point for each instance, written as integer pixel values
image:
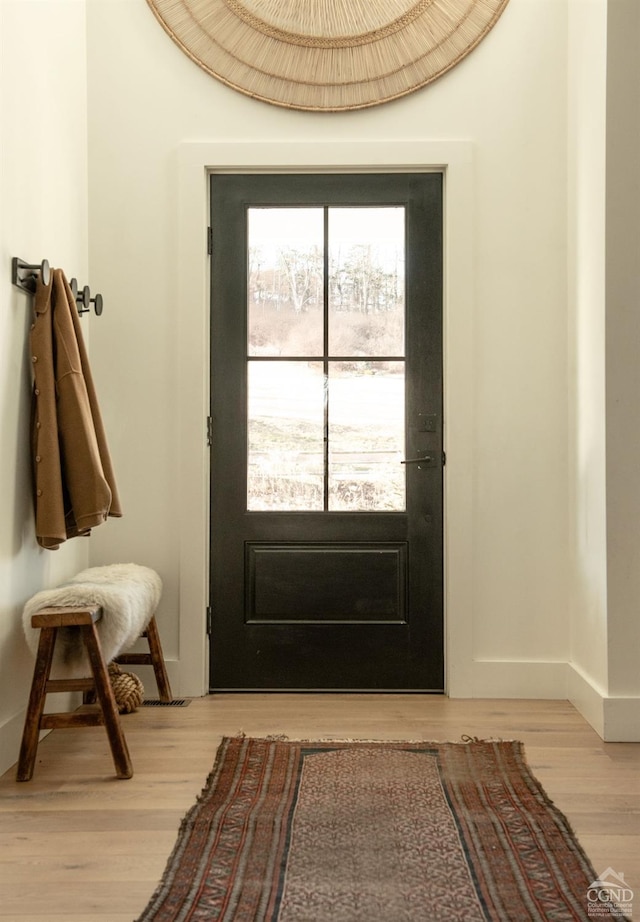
(428, 459)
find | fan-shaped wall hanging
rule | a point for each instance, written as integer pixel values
(327, 55)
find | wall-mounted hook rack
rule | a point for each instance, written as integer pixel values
(24, 275)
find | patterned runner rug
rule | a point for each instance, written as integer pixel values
(373, 832)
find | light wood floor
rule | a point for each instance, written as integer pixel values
(77, 845)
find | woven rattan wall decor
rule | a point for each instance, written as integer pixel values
(327, 55)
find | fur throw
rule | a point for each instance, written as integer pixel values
(128, 595)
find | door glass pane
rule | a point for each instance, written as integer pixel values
(286, 436)
(285, 291)
(366, 436)
(366, 281)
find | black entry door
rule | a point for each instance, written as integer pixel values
(326, 469)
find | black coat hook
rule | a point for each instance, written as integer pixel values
(24, 274)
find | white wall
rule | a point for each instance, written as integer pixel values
(622, 347)
(146, 99)
(604, 333)
(43, 214)
(587, 59)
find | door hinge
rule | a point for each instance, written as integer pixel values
(209, 620)
(444, 458)
(209, 431)
(210, 241)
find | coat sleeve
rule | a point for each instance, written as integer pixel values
(115, 508)
(89, 495)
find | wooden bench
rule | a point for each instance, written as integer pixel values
(98, 685)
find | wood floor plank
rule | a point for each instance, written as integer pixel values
(21, 870)
(78, 899)
(78, 845)
(16, 849)
(25, 822)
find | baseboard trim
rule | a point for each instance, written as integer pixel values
(148, 679)
(10, 739)
(508, 679)
(615, 719)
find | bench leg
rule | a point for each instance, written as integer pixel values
(153, 658)
(104, 691)
(35, 708)
(157, 659)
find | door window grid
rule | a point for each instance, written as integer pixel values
(329, 277)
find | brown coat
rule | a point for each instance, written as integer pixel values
(73, 478)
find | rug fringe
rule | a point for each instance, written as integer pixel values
(282, 737)
(272, 737)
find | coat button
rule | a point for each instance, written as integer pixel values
(36, 392)
(39, 492)
(38, 458)
(34, 358)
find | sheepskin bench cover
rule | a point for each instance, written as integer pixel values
(128, 595)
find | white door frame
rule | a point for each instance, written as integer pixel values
(196, 162)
